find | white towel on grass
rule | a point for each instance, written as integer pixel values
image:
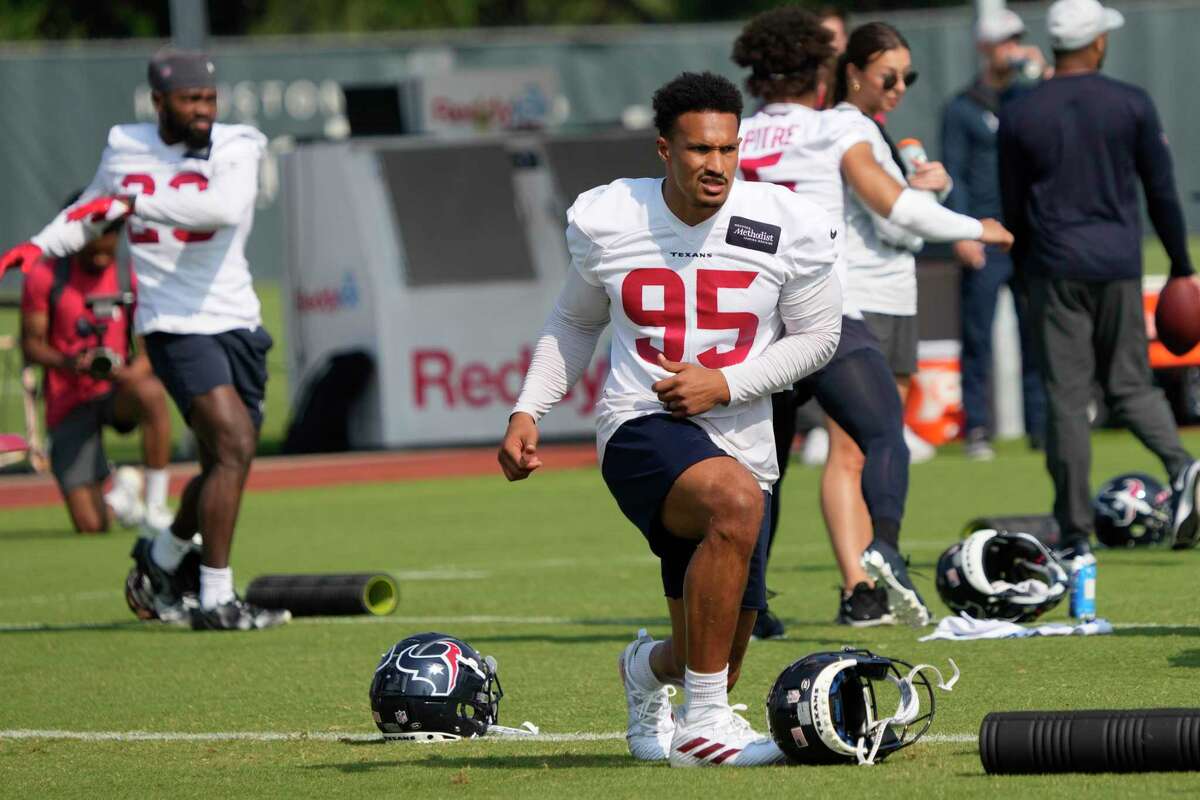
(964, 627)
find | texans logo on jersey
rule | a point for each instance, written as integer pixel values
(432, 668)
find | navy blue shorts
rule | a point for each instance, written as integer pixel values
(642, 461)
(193, 364)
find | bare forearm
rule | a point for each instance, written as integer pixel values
(41, 353)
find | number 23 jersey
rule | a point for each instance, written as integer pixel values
(707, 294)
(188, 233)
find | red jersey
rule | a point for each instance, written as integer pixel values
(64, 389)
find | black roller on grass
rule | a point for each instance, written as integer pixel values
(1134, 740)
(326, 595)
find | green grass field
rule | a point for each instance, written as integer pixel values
(550, 579)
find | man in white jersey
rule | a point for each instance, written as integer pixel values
(188, 185)
(698, 274)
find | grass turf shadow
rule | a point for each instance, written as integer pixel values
(495, 761)
(41, 534)
(88, 627)
(1186, 658)
(1183, 630)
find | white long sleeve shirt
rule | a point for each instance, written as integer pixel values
(718, 294)
(192, 215)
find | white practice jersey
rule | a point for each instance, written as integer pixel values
(192, 216)
(718, 294)
(801, 148)
(879, 255)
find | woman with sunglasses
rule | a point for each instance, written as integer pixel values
(837, 158)
(873, 75)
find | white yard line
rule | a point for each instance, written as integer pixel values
(329, 736)
(66, 597)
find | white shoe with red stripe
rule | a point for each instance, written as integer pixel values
(651, 725)
(720, 737)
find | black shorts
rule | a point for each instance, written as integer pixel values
(193, 364)
(642, 461)
(77, 456)
(897, 337)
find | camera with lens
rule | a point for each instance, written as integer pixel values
(106, 309)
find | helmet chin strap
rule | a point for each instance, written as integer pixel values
(527, 729)
(906, 712)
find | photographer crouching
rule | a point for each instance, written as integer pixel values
(76, 318)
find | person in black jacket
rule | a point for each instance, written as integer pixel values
(969, 123)
(1072, 153)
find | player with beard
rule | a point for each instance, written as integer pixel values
(699, 275)
(187, 185)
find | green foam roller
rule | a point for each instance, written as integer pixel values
(373, 593)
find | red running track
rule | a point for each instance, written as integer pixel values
(293, 472)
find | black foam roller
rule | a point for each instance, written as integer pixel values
(1135, 740)
(326, 595)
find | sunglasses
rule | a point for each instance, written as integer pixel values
(891, 79)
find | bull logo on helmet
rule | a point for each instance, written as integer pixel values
(435, 663)
(1127, 501)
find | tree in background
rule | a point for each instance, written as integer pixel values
(120, 19)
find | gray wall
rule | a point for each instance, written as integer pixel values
(59, 100)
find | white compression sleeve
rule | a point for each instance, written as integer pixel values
(919, 213)
(812, 320)
(62, 238)
(230, 191)
(564, 346)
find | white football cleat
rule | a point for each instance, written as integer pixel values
(125, 497)
(720, 737)
(651, 725)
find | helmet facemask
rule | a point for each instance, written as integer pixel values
(1001, 575)
(836, 701)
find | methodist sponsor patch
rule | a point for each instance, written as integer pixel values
(753, 235)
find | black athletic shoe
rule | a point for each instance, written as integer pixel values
(889, 571)
(153, 593)
(866, 607)
(768, 626)
(237, 615)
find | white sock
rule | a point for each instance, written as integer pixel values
(706, 690)
(216, 586)
(640, 672)
(168, 550)
(157, 481)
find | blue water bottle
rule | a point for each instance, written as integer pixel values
(1083, 586)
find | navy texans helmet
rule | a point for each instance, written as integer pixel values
(431, 686)
(139, 590)
(823, 708)
(1001, 575)
(1132, 510)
